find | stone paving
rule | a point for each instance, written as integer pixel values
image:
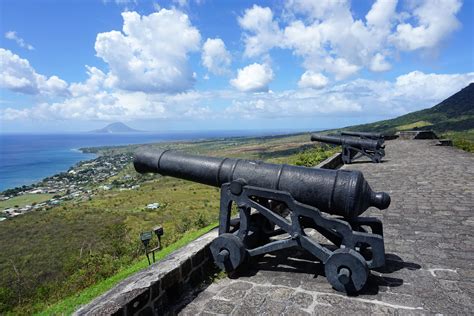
(429, 241)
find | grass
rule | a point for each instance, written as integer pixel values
(25, 199)
(70, 304)
(462, 140)
(48, 256)
(418, 124)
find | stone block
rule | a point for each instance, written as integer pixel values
(219, 307)
(186, 268)
(170, 278)
(155, 290)
(147, 311)
(196, 277)
(200, 256)
(138, 302)
(445, 142)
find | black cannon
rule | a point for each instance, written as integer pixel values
(277, 206)
(364, 135)
(353, 148)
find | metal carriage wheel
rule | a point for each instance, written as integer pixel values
(346, 270)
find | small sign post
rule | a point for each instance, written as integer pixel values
(146, 236)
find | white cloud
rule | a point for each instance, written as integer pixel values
(97, 81)
(356, 98)
(436, 20)
(253, 78)
(12, 35)
(316, 10)
(263, 32)
(379, 64)
(381, 13)
(331, 41)
(418, 85)
(313, 80)
(215, 56)
(151, 52)
(297, 104)
(409, 92)
(18, 75)
(340, 67)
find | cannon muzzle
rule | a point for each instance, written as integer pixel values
(338, 192)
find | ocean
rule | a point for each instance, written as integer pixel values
(27, 158)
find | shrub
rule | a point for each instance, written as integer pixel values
(311, 157)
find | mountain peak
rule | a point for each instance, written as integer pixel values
(455, 113)
(460, 103)
(117, 127)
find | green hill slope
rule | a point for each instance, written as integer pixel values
(455, 114)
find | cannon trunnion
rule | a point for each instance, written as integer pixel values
(279, 205)
(365, 144)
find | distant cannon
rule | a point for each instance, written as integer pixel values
(353, 148)
(364, 135)
(280, 199)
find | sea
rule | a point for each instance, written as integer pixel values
(28, 158)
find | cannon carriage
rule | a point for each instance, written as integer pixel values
(277, 204)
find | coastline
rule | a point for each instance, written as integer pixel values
(80, 182)
(29, 158)
(90, 173)
(87, 156)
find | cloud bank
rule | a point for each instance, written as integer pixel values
(331, 41)
(148, 74)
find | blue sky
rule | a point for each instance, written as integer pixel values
(189, 65)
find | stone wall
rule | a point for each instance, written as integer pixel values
(407, 135)
(333, 162)
(163, 285)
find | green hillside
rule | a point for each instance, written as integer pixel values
(453, 118)
(455, 114)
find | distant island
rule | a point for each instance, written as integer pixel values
(116, 128)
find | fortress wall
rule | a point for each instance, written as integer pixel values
(152, 290)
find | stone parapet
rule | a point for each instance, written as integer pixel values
(333, 162)
(407, 135)
(159, 287)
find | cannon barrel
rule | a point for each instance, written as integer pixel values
(338, 192)
(363, 134)
(369, 144)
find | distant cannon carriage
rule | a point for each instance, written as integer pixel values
(282, 200)
(356, 144)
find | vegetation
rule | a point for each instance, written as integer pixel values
(456, 113)
(453, 118)
(25, 199)
(412, 126)
(312, 157)
(462, 140)
(70, 304)
(81, 248)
